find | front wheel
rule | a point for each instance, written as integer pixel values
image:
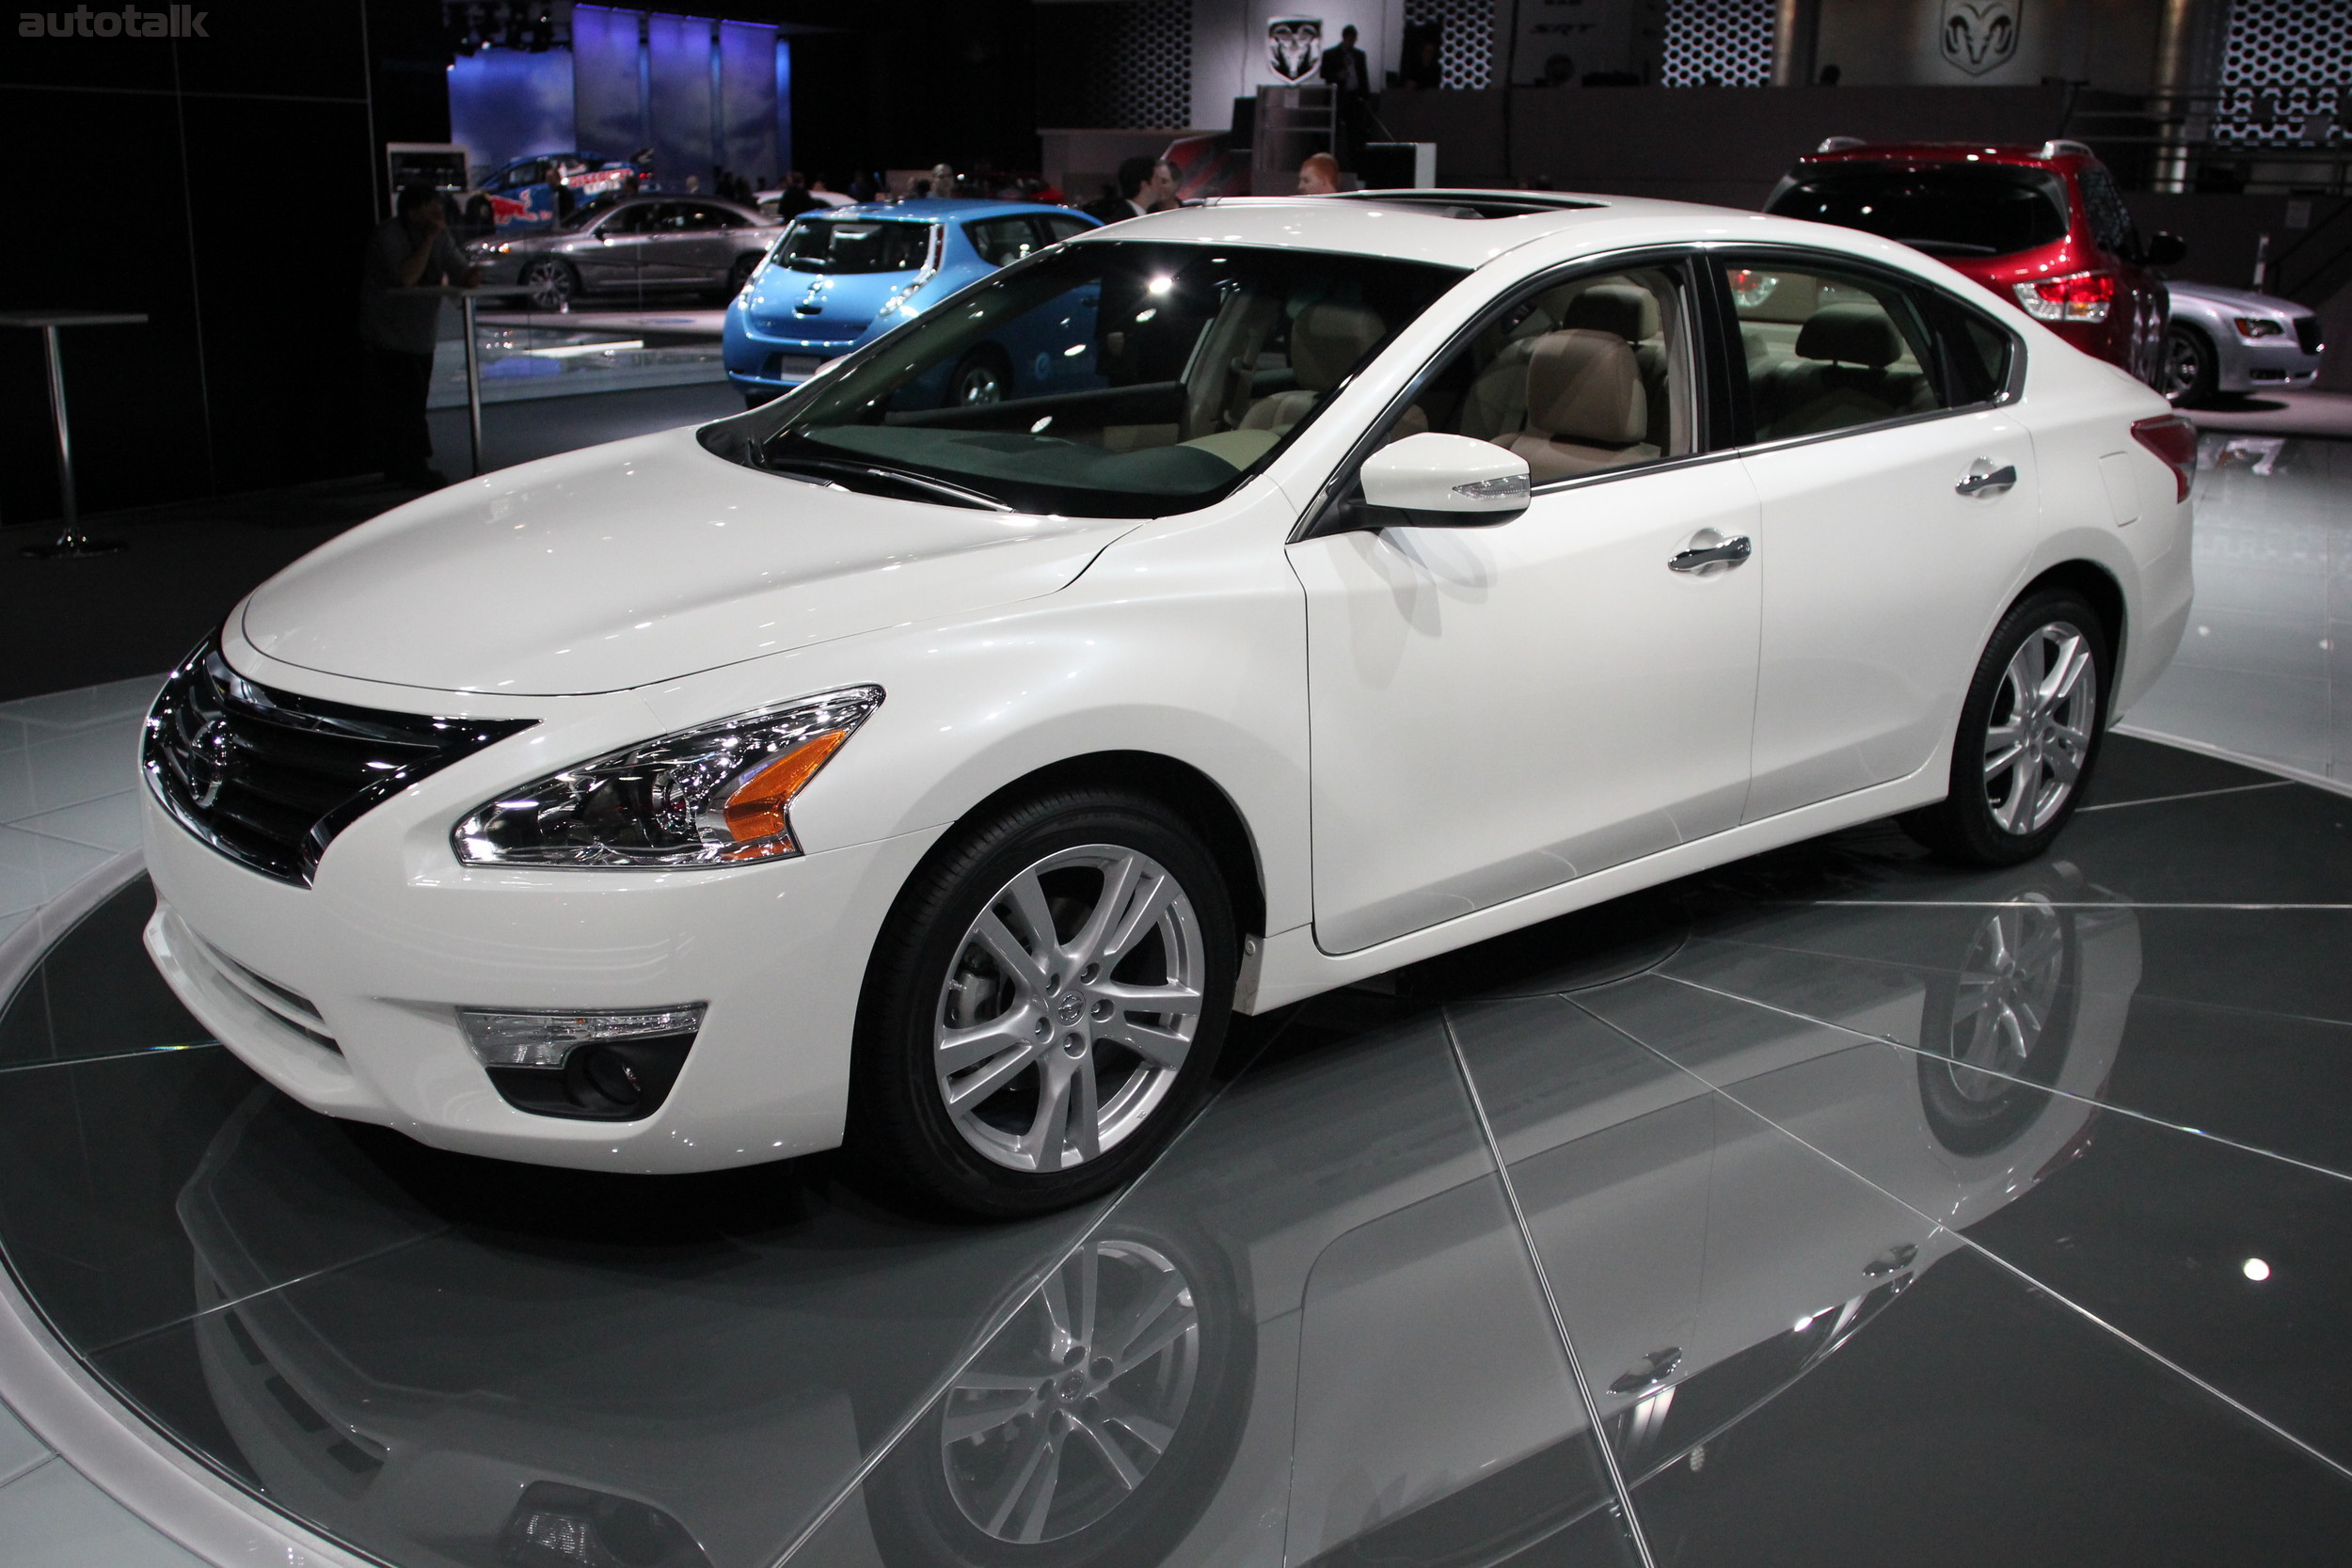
(2028, 735)
(983, 377)
(1045, 1005)
(2186, 373)
(740, 274)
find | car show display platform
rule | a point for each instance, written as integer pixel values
(1795, 1205)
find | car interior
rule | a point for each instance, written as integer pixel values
(1578, 378)
(1825, 353)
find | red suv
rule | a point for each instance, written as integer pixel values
(2044, 226)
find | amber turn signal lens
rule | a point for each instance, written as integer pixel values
(756, 810)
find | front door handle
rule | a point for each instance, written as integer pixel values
(1727, 554)
(1656, 1368)
(1985, 479)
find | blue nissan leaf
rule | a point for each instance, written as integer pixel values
(841, 277)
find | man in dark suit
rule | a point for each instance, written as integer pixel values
(1349, 74)
(1344, 65)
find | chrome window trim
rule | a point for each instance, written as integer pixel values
(2012, 390)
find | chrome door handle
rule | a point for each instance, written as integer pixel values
(1656, 1368)
(1985, 479)
(1729, 553)
(1899, 1255)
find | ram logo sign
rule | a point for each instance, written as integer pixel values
(1978, 35)
(1295, 46)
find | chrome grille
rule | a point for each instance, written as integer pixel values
(269, 779)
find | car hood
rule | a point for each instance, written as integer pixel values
(2240, 299)
(639, 562)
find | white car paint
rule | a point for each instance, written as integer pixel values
(1430, 736)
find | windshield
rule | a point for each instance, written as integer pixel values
(1104, 379)
(1943, 209)
(856, 245)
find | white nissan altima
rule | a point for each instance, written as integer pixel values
(937, 776)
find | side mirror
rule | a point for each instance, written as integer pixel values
(2164, 250)
(1436, 481)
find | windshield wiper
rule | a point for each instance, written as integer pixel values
(845, 474)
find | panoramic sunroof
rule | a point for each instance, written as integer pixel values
(1473, 204)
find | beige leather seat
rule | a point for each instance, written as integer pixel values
(1844, 375)
(1586, 407)
(1326, 340)
(1631, 312)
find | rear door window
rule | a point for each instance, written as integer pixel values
(1002, 240)
(1825, 350)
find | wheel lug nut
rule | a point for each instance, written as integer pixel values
(1103, 1007)
(1086, 976)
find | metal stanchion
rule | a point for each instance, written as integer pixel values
(70, 541)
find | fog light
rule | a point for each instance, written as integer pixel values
(537, 1039)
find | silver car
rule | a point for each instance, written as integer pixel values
(632, 246)
(2223, 341)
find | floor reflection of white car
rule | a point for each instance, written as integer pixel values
(1389, 573)
(1260, 1355)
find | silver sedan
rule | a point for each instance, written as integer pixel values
(634, 247)
(2223, 341)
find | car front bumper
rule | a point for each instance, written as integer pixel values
(2279, 363)
(381, 951)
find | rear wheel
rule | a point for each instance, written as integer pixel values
(2186, 373)
(552, 283)
(983, 376)
(2028, 735)
(740, 274)
(1045, 1005)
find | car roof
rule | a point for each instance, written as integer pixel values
(1463, 229)
(929, 209)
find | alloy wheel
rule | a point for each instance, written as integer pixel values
(550, 285)
(979, 384)
(2038, 731)
(2007, 996)
(2183, 369)
(1072, 1404)
(1070, 1008)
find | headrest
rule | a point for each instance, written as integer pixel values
(1625, 309)
(1326, 339)
(1585, 385)
(1852, 335)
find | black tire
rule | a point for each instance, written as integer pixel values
(2187, 367)
(1973, 824)
(740, 274)
(553, 282)
(982, 376)
(929, 960)
(930, 1501)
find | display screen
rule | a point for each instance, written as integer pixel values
(1943, 209)
(848, 245)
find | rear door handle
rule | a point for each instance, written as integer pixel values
(1729, 553)
(1985, 479)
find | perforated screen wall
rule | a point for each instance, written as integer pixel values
(1115, 63)
(2282, 68)
(1466, 56)
(1718, 43)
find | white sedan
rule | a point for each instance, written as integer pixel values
(938, 777)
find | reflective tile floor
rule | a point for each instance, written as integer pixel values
(2265, 670)
(1834, 1209)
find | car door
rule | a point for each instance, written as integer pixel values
(1898, 495)
(665, 253)
(1496, 710)
(607, 259)
(701, 247)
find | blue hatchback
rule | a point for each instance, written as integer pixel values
(839, 277)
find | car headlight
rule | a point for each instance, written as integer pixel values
(2258, 326)
(717, 794)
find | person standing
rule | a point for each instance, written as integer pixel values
(1319, 175)
(410, 249)
(1349, 73)
(1145, 186)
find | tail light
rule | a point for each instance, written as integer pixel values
(2079, 297)
(2174, 439)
